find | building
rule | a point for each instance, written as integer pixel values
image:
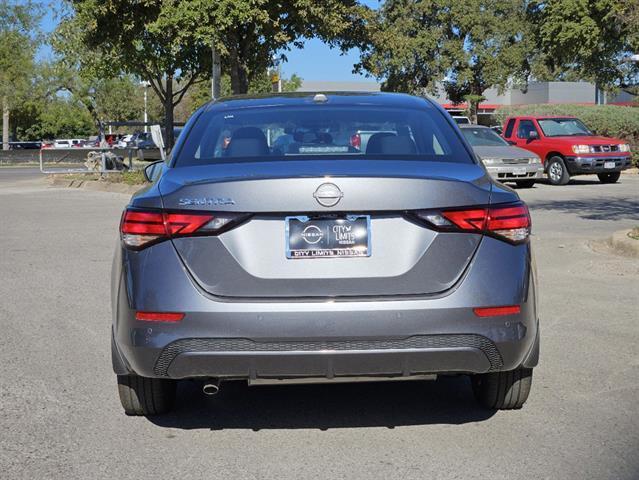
(582, 93)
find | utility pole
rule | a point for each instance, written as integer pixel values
(216, 74)
(146, 85)
(5, 123)
(276, 75)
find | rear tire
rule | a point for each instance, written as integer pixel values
(609, 177)
(557, 171)
(503, 390)
(146, 396)
(525, 183)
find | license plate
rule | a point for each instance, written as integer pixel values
(519, 171)
(609, 164)
(328, 237)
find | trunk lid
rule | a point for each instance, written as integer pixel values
(251, 259)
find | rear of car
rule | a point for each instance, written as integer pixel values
(272, 248)
(503, 161)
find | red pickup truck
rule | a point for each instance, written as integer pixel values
(566, 147)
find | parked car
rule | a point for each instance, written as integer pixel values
(460, 120)
(503, 161)
(142, 140)
(27, 145)
(402, 261)
(568, 148)
(124, 142)
(68, 142)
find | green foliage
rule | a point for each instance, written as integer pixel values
(63, 119)
(473, 45)
(585, 39)
(606, 120)
(17, 48)
(402, 44)
(247, 33)
(18, 43)
(201, 93)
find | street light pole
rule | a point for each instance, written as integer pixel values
(145, 84)
(216, 73)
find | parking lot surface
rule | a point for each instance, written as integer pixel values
(60, 416)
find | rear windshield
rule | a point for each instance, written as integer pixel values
(320, 131)
(483, 137)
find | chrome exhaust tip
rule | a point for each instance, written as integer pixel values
(211, 388)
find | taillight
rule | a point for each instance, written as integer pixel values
(509, 222)
(140, 228)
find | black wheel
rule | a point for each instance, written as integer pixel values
(557, 171)
(503, 390)
(146, 396)
(525, 183)
(609, 177)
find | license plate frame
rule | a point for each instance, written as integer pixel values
(519, 171)
(315, 237)
(610, 164)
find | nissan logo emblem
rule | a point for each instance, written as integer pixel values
(328, 194)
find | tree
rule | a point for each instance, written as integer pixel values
(169, 43)
(485, 45)
(201, 94)
(586, 39)
(64, 118)
(248, 33)
(144, 39)
(17, 49)
(471, 46)
(401, 46)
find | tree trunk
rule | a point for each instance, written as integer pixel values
(239, 77)
(5, 124)
(168, 113)
(472, 110)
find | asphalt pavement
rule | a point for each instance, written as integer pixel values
(60, 416)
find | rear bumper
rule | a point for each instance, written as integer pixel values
(365, 337)
(517, 172)
(585, 165)
(243, 358)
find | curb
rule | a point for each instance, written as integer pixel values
(623, 244)
(95, 185)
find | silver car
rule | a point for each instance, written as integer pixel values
(312, 260)
(503, 161)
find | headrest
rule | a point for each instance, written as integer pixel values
(386, 143)
(248, 142)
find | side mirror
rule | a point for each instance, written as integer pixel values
(533, 135)
(153, 171)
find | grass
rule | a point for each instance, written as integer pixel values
(634, 233)
(128, 178)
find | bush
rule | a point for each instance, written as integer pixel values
(605, 120)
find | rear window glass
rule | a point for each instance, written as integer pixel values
(483, 137)
(320, 131)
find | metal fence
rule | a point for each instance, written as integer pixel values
(72, 160)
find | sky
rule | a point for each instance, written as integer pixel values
(316, 61)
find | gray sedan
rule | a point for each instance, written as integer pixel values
(503, 161)
(316, 260)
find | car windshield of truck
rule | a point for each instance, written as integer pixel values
(483, 137)
(356, 132)
(563, 127)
